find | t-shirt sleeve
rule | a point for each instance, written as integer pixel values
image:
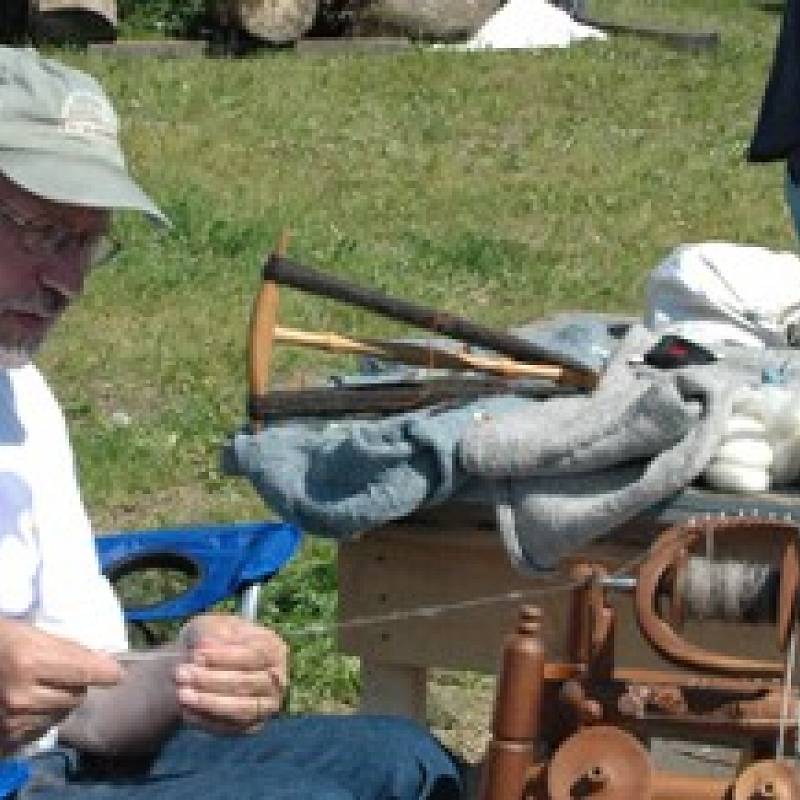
(19, 552)
(72, 597)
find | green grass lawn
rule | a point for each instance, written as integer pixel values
(503, 185)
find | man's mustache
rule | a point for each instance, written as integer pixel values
(44, 303)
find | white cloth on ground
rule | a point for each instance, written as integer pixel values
(529, 24)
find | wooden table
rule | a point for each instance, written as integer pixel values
(453, 555)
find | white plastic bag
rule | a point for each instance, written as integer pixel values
(723, 293)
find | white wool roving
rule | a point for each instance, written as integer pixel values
(521, 24)
(760, 448)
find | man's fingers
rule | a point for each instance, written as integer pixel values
(29, 656)
(233, 683)
(20, 729)
(39, 699)
(242, 712)
(215, 726)
(243, 669)
(224, 630)
(74, 666)
(236, 676)
(240, 656)
(47, 698)
(237, 657)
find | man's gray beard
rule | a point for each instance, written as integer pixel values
(16, 356)
(20, 352)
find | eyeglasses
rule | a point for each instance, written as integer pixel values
(49, 240)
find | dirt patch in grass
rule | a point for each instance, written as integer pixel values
(460, 711)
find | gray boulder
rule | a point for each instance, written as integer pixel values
(275, 21)
(429, 20)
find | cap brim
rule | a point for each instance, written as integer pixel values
(77, 181)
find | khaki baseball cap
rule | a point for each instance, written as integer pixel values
(59, 136)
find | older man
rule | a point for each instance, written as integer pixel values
(193, 721)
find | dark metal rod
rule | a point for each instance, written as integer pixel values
(289, 273)
(381, 399)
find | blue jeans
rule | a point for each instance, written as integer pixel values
(312, 757)
(793, 201)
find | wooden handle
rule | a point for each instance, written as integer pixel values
(288, 273)
(263, 319)
(430, 356)
(262, 337)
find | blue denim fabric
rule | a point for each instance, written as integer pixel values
(793, 200)
(312, 757)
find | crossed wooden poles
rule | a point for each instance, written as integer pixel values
(517, 359)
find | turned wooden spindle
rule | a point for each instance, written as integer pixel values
(514, 749)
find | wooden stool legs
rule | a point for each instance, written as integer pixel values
(513, 753)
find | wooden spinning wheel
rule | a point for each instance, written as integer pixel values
(604, 711)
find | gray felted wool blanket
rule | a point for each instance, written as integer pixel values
(561, 471)
(339, 478)
(571, 469)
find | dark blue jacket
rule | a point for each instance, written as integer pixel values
(777, 133)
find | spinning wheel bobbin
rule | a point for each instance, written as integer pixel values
(667, 573)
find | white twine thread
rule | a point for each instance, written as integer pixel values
(429, 611)
(425, 611)
(788, 672)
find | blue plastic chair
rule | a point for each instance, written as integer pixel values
(220, 561)
(14, 774)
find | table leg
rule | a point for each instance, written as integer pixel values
(394, 689)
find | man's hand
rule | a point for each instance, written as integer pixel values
(235, 676)
(42, 678)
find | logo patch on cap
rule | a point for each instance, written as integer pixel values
(89, 116)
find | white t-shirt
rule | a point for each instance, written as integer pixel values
(49, 572)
